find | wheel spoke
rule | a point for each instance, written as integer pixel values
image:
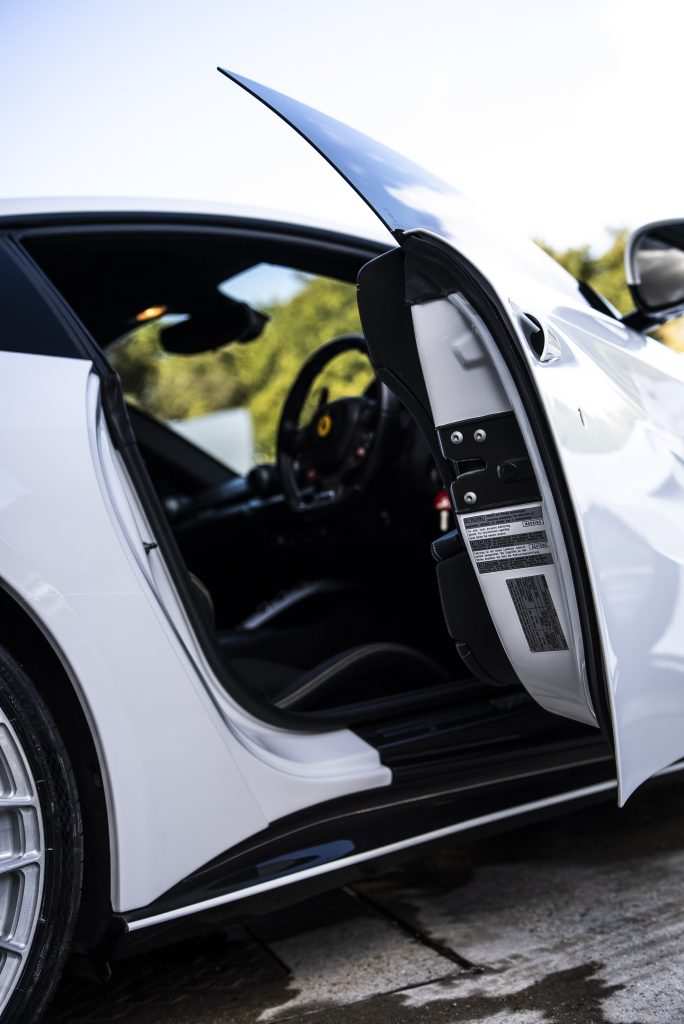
(10, 802)
(15, 773)
(18, 861)
(9, 946)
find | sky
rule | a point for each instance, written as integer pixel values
(562, 117)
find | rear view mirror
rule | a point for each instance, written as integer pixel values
(654, 264)
(216, 321)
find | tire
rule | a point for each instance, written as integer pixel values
(52, 903)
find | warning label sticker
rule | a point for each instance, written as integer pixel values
(537, 613)
(509, 539)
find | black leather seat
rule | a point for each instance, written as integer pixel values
(290, 665)
(360, 673)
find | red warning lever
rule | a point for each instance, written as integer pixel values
(442, 504)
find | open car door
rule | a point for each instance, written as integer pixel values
(559, 434)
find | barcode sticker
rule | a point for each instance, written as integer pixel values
(537, 613)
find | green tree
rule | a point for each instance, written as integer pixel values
(604, 272)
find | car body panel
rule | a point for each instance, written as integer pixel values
(616, 399)
(159, 740)
(187, 774)
(613, 402)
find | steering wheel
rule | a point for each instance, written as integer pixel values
(334, 456)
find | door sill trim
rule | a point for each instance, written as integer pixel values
(381, 851)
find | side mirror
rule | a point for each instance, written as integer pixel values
(654, 265)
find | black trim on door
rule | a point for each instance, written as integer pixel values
(29, 325)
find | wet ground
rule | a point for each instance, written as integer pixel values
(576, 921)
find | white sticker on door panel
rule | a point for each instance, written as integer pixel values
(508, 539)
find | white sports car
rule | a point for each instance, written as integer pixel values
(230, 544)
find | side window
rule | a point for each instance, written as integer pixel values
(228, 401)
